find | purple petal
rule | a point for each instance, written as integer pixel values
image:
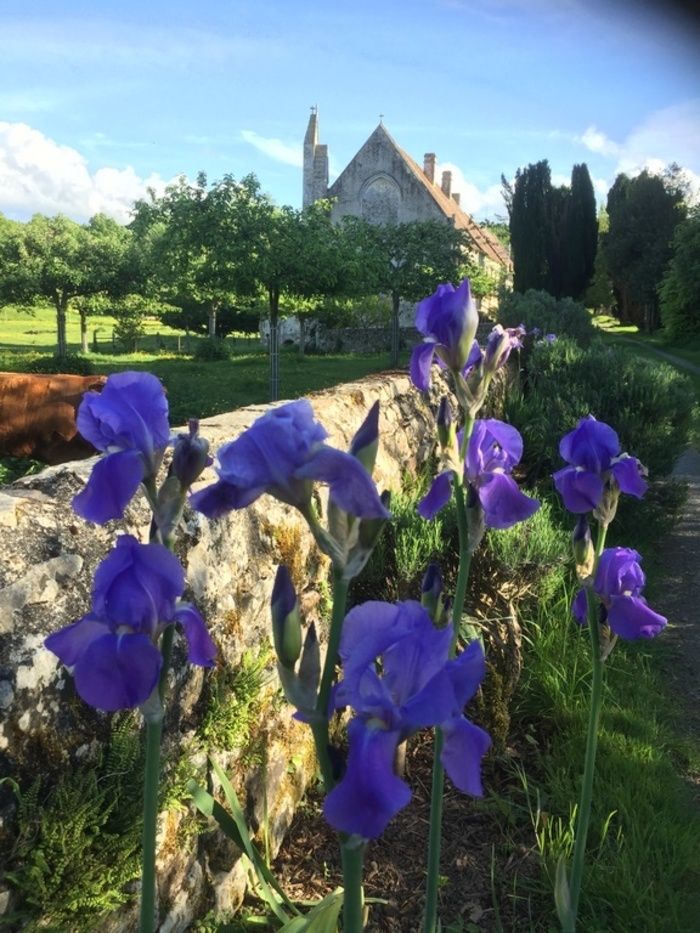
(70, 642)
(430, 706)
(131, 412)
(476, 355)
(117, 671)
(351, 487)
(466, 673)
(137, 585)
(465, 746)
(222, 497)
(421, 362)
(630, 617)
(201, 649)
(580, 489)
(412, 660)
(591, 445)
(619, 573)
(628, 473)
(437, 496)
(503, 503)
(370, 794)
(493, 445)
(579, 607)
(368, 630)
(111, 486)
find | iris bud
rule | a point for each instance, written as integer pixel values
(446, 431)
(286, 627)
(431, 593)
(366, 441)
(583, 548)
(191, 455)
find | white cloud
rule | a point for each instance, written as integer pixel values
(38, 175)
(275, 148)
(668, 135)
(473, 200)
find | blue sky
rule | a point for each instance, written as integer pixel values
(99, 100)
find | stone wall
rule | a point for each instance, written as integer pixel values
(47, 559)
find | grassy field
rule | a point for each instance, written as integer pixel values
(195, 389)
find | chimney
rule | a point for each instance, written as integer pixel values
(455, 198)
(429, 160)
(446, 183)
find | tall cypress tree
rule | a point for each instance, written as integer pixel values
(529, 225)
(581, 234)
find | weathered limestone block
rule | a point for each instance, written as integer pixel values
(47, 559)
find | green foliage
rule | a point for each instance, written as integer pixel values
(648, 402)
(679, 292)
(212, 349)
(79, 847)
(553, 231)
(564, 317)
(643, 214)
(70, 363)
(641, 868)
(11, 468)
(233, 709)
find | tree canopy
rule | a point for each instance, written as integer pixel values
(679, 292)
(643, 215)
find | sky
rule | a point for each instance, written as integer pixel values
(101, 100)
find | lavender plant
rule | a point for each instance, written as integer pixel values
(610, 601)
(476, 464)
(119, 651)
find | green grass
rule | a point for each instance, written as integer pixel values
(195, 389)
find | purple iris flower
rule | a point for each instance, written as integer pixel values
(592, 451)
(112, 650)
(494, 449)
(418, 687)
(283, 453)
(448, 320)
(501, 341)
(619, 581)
(128, 421)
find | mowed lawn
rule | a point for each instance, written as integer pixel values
(195, 389)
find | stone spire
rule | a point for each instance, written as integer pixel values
(315, 163)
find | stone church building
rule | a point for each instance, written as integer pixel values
(383, 184)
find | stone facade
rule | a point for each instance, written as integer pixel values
(47, 560)
(384, 185)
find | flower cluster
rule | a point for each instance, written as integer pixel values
(494, 448)
(597, 470)
(283, 453)
(398, 678)
(112, 650)
(618, 582)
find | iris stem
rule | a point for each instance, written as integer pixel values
(438, 782)
(151, 776)
(586, 799)
(353, 898)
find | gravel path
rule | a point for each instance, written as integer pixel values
(676, 360)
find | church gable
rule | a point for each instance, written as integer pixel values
(384, 185)
(380, 187)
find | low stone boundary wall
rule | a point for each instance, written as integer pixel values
(47, 559)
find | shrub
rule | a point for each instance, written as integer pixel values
(212, 350)
(565, 317)
(72, 363)
(648, 402)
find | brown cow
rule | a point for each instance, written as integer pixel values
(37, 415)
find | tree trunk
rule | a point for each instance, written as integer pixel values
(61, 303)
(395, 302)
(84, 341)
(212, 321)
(274, 296)
(302, 336)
